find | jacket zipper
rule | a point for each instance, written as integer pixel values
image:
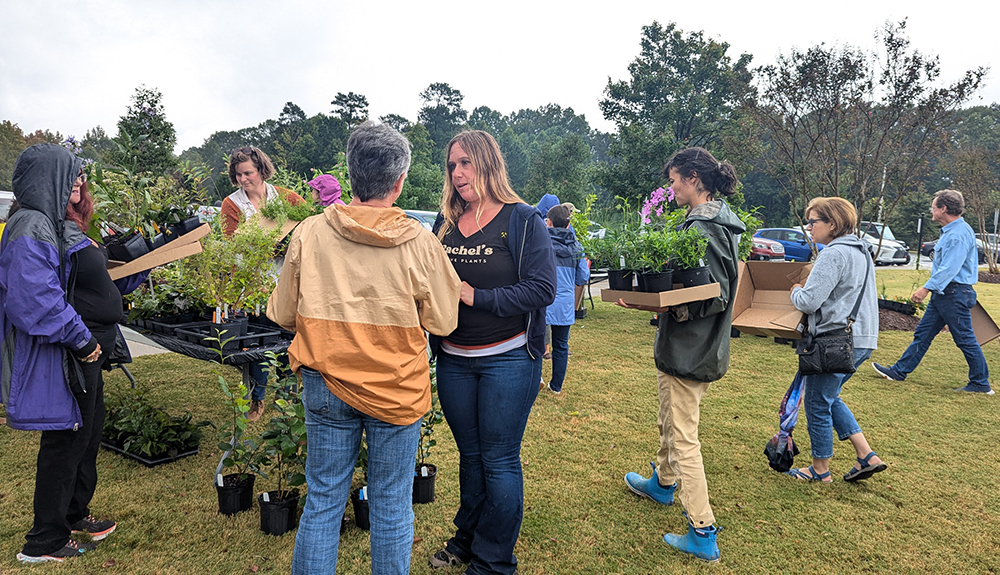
(527, 330)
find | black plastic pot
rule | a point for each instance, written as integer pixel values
(620, 280)
(733, 332)
(188, 225)
(423, 485)
(158, 241)
(581, 313)
(233, 327)
(693, 277)
(360, 510)
(234, 495)
(126, 248)
(279, 516)
(655, 282)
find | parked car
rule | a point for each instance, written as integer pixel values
(6, 199)
(794, 241)
(889, 252)
(425, 218)
(876, 229)
(767, 250)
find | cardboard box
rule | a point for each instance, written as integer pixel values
(675, 296)
(286, 228)
(983, 325)
(182, 247)
(763, 303)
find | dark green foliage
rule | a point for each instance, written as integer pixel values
(150, 135)
(284, 437)
(139, 428)
(681, 92)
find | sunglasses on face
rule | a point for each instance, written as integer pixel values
(82, 177)
(813, 221)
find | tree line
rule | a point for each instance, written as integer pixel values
(878, 126)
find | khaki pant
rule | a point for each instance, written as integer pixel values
(679, 457)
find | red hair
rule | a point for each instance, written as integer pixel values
(82, 211)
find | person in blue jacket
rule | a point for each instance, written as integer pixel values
(571, 270)
(59, 311)
(489, 367)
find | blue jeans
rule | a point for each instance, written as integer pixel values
(560, 355)
(825, 409)
(486, 401)
(334, 437)
(952, 308)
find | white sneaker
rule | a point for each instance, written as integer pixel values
(552, 390)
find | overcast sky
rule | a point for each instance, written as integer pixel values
(222, 65)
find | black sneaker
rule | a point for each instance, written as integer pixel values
(97, 528)
(72, 548)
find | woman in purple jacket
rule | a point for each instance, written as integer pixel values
(58, 315)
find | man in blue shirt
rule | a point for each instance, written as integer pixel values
(954, 271)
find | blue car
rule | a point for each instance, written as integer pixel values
(795, 242)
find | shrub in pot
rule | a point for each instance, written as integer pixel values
(231, 272)
(425, 473)
(242, 452)
(656, 249)
(284, 440)
(687, 259)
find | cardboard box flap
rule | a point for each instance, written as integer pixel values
(793, 320)
(286, 228)
(986, 329)
(799, 276)
(184, 246)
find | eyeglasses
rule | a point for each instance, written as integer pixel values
(813, 221)
(82, 177)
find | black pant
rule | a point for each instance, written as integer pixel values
(67, 467)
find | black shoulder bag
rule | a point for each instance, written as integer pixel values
(833, 351)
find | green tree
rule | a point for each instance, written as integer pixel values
(560, 167)
(350, 107)
(422, 188)
(398, 123)
(442, 114)
(860, 125)
(151, 134)
(681, 92)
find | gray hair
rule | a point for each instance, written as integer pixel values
(952, 202)
(377, 155)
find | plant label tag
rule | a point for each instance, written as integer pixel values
(266, 497)
(218, 479)
(423, 471)
(364, 493)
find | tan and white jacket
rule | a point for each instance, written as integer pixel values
(359, 287)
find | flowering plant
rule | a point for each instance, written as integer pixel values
(657, 202)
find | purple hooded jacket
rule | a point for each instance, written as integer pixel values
(37, 326)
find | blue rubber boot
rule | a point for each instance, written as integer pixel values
(699, 542)
(651, 487)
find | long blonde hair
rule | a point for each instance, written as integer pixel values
(491, 177)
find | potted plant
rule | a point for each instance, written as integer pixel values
(241, 452)
(425, 473)
(164, 303)
(284, 441)
(147, 434)
(687, 259)
(359, 496)
(656, 249)
(621, 259)
(134, 209)
(232, 272)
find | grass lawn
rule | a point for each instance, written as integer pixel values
(934, 510)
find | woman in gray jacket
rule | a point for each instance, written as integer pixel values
(839, 274)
